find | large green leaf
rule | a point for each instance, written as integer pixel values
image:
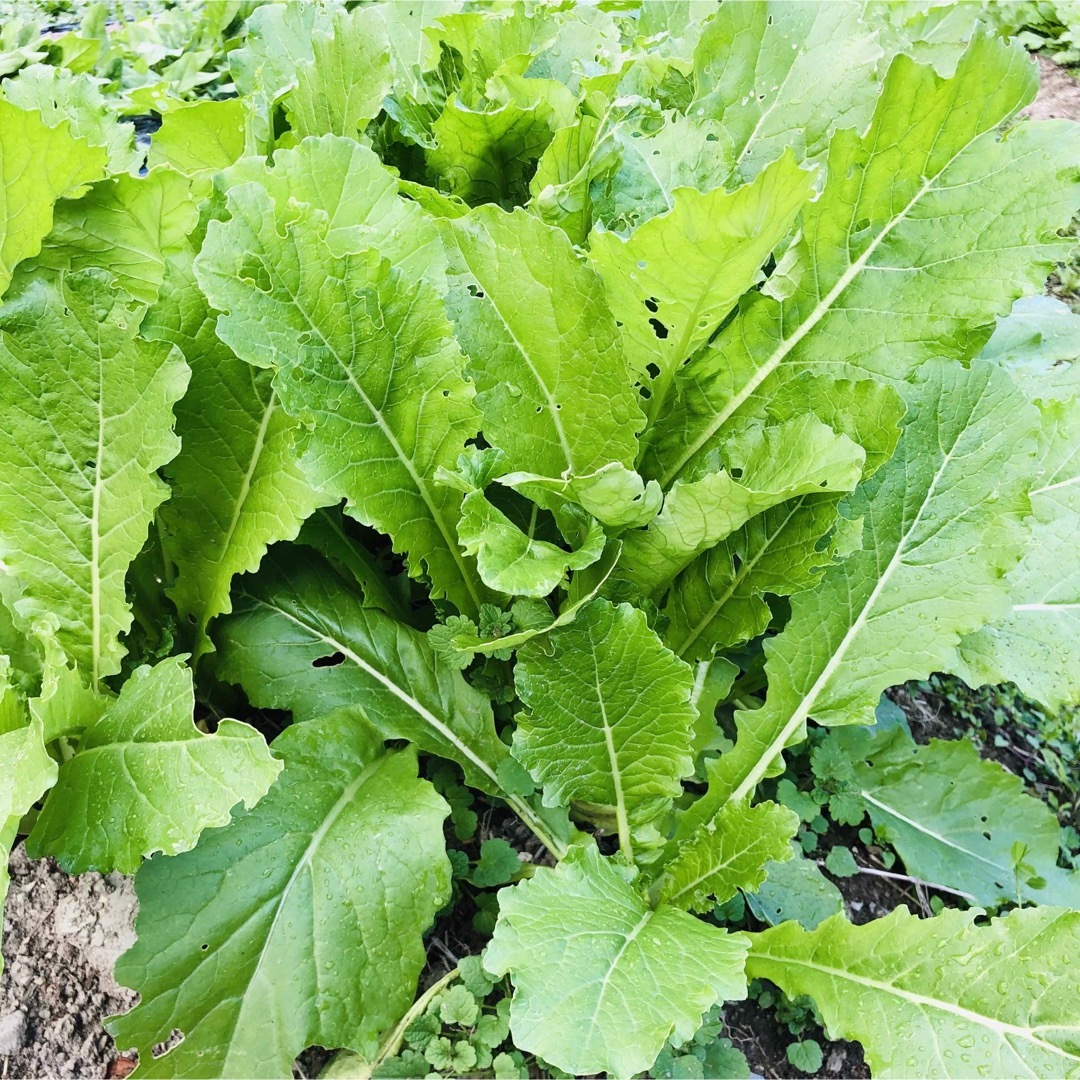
(128, 225)
(364, 357)
(795, 889)
(674, 279)
(144, 779)
(879, 279)
(939, 997)
(299, 923)
(601, 980)
(801, 456)
(1034, 646)
(300, 639)
(343, 85)
(38, 164)
(85, 422)
(609, 714)
(954, 818)
(780, 74)
(731, 852)
(543, 347)
(236, 486)
(941, 523)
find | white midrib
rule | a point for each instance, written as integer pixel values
(802, 713)
(95, 528)
(421, 486)
(893, 812)
(714, 868)
(1054, 487)
(302, 864)
(245, 485)
(1046, 606)
(551, 403)
(999, 1027)
(628, 941)
(820, 310)
(616, 774)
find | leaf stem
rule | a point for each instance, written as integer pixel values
(532, 820)
(892, 875)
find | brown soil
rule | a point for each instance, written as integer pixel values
(62, 936)
(1059, 94)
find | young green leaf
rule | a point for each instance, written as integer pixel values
(144, 779)
(580, 943)
(543, 348)
(801, 456)
(128, 225)
(938, 997)
(729, 853)
(200, 136)
(675, 278)
(609, 715)
(343, 85)
(300, 923)
(85, 422)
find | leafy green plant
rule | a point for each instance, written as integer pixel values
(535, 423)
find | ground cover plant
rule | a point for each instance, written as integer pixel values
(569, 416)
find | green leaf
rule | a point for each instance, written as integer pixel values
(795, 889)
(718, 601)
(731, 852)
(279, 39)
(298, 639)
(805, 1056)
(366, 360)
(543, 348)
(674, 279)
(579, 944)
(458, 1006)
(1033, 646)
(77, 496)
(938, 997)
(299, 923)
(953, 818)
(236, 487)
(941, 525)
(59, 94)
(783, 75)
(145, 779)
(128, 225)
(841, 863)
(610, 715)
(343, 85)
(498, 864)
(200, 136)
(878, 280)
(38, 165)
(486, 155)
(26, 773)
(801, 456)
(515, 562)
